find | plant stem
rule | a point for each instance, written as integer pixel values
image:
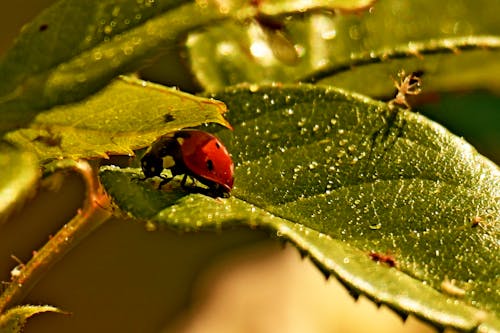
(95, 211)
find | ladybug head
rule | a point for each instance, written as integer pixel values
(151, 165)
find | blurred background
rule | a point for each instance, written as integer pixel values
(125, 279)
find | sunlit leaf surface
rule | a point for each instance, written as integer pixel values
(351, 181)
(128, 114)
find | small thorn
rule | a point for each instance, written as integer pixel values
(403, 315)
(326, 273)
(354, 294)
(324, 270)
(350, 290)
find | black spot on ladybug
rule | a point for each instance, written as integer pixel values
(43, 27)
(167, 117)
(217, 145)
(210, 165)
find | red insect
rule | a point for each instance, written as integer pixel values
(387, 259)
(193, 153)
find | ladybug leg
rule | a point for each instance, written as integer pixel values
(183, 181)
(164, 180)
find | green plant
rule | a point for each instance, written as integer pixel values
(387, 201)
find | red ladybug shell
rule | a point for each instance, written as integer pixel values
(206, 157)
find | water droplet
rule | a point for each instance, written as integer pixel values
(376, 226)
(254, 87)
(302, 122)
(224, 48)
(333, 121)
(259, 49)
(351, 148)
(329, 34)
(97, 55)
(128, 50)
(313, 165)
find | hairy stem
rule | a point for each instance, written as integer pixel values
(95, 211)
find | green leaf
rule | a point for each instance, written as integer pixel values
(128, 114)
(14, 319)
(20, 174)
(446, 40)
(278, 7)
(447, 65)
(346, 178)
(56, 61)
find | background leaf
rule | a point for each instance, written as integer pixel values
(353, 170)
(128, 114)
(359, 52)
(445, 65)
(278, 7)
(20, 174)
(56, 61)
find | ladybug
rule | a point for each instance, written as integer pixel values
(194, 153)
